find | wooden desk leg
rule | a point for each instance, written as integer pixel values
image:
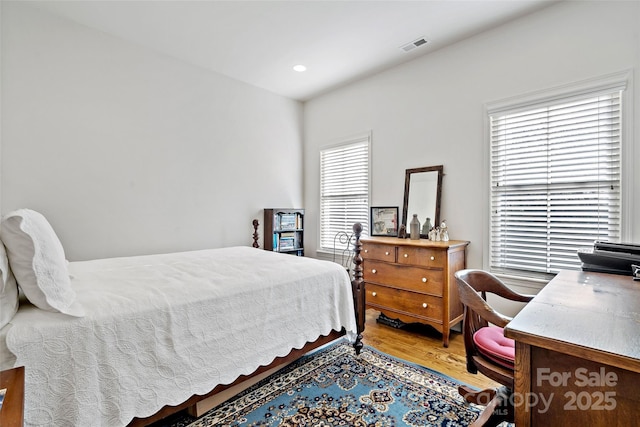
(522, 383)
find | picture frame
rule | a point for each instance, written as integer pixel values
(384, 221)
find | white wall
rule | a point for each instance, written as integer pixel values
(430, 111)
(0, 105)
(127, 151)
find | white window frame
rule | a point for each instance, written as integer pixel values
(345, 142)
(622, 80)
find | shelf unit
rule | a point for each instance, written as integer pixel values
(284, 230)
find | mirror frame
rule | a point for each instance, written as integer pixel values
(407, 181)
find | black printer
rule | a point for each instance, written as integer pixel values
(615, 258)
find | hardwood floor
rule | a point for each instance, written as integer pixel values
(423, 345)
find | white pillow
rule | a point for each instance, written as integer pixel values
(8, 290)
(37, 260)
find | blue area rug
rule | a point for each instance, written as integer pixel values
(334, 387)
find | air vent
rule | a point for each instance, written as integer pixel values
(414, 44)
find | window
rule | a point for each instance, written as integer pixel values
(344, 189)
(555, 176)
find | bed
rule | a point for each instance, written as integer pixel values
(148, 335)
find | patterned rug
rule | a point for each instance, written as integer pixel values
(334, 387)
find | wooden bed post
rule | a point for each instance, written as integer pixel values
(357, 285)
(255, 233)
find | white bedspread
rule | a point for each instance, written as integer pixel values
(161, 328)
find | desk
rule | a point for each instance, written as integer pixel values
(12, 411)
(578, 352)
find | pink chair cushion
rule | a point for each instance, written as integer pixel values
(491, 343)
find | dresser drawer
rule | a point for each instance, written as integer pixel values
(406, 277)
(378, 252)
(421, 256)
(409, 303)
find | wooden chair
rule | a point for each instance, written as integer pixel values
(487, 350)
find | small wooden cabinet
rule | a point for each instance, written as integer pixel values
(413, 280)
(284, 231)
(12, 411)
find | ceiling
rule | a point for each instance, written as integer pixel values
(259, 42)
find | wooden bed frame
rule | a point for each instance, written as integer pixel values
(245, 381)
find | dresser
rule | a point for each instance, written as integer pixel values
(413, 280)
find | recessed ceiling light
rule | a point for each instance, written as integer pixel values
(300, 68)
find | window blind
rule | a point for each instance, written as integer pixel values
(555, 182)
(344, 189)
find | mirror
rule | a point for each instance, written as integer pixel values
(422, 190)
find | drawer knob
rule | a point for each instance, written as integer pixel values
(406, 255)
(424, 305)
(366, 251)
(374, 271)
(432, 258)
(386, 253)
(424, 280)
(373, 294)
